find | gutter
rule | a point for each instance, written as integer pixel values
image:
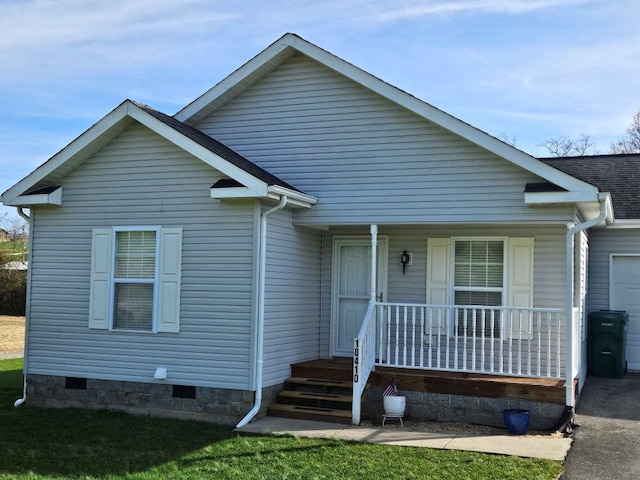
(604, 200)
(262, 267)
(20, 401)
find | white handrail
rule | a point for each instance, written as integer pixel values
(364, 357)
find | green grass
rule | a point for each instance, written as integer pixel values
(38, 443)
(14, 247)
(13, 251)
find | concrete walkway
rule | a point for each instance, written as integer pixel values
(607, 443)
(522, 446)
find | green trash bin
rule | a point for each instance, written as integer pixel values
(607, 343)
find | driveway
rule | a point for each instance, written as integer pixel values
(607, 443)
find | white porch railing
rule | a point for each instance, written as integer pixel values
(364, 357)
(479, 339)
(491, 340)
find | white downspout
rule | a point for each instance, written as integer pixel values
(262, 260)
(374, 261)
(20, 401)
(570, 390)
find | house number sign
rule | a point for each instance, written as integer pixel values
(356, 360)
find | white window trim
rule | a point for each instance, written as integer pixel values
(168, 279)
(505, 266)
(441, 287)
(155, 280)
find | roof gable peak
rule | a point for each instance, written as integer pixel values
(289, 44)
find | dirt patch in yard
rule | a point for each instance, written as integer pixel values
(11, 336)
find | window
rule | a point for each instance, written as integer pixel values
(478, 280)
(492, 272)
(135, 279)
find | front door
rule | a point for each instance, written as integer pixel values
(351, 288)
(625, 295)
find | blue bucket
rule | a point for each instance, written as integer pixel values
(516, 420)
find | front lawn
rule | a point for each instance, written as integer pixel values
(37, 443)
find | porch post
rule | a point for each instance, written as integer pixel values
(374, 257)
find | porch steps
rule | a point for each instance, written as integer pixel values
(320, 391)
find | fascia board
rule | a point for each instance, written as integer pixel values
(625, 224)
(300, 199)
(197, 150)
(59, 159)
(275, 192)
(53, 198)
(235, 192)
(541, 198)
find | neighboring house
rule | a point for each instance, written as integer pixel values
(303, 209)
(4, 235)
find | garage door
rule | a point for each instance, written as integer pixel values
(625, 295)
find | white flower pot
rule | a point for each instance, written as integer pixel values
(394, 406)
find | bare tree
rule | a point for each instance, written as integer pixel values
(567, 146)
(630, 141)
(508, 140)
(17, 229)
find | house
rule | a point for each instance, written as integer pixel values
(4, 235)
(304, 224)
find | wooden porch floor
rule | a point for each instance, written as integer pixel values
(454, 383)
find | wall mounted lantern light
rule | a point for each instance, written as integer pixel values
(405, 259)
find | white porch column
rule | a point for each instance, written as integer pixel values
(374, 257)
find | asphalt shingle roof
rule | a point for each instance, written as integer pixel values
(617, 174)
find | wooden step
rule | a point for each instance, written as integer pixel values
(329, 397)
(339, 369)
(317, 414)
(318, 382)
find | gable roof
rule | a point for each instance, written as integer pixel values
(255, 181)
(290, 44)
(616, 174)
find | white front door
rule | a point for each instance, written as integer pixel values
(351, 288)
(625, 295)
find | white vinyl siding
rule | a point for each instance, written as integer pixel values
(367, 159)
(292, 297)
(140, 179)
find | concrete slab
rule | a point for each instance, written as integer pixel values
(291, 426)
(523, 446)
(520, 446)
(395, 437)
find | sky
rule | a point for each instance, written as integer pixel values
(524, 70)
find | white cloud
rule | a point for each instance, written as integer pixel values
(57, 37)
(413, 9)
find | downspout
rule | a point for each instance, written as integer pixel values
(262, 261)
(20, 401)
(570, 390)
(374, 262)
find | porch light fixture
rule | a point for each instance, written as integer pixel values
(405, 259)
